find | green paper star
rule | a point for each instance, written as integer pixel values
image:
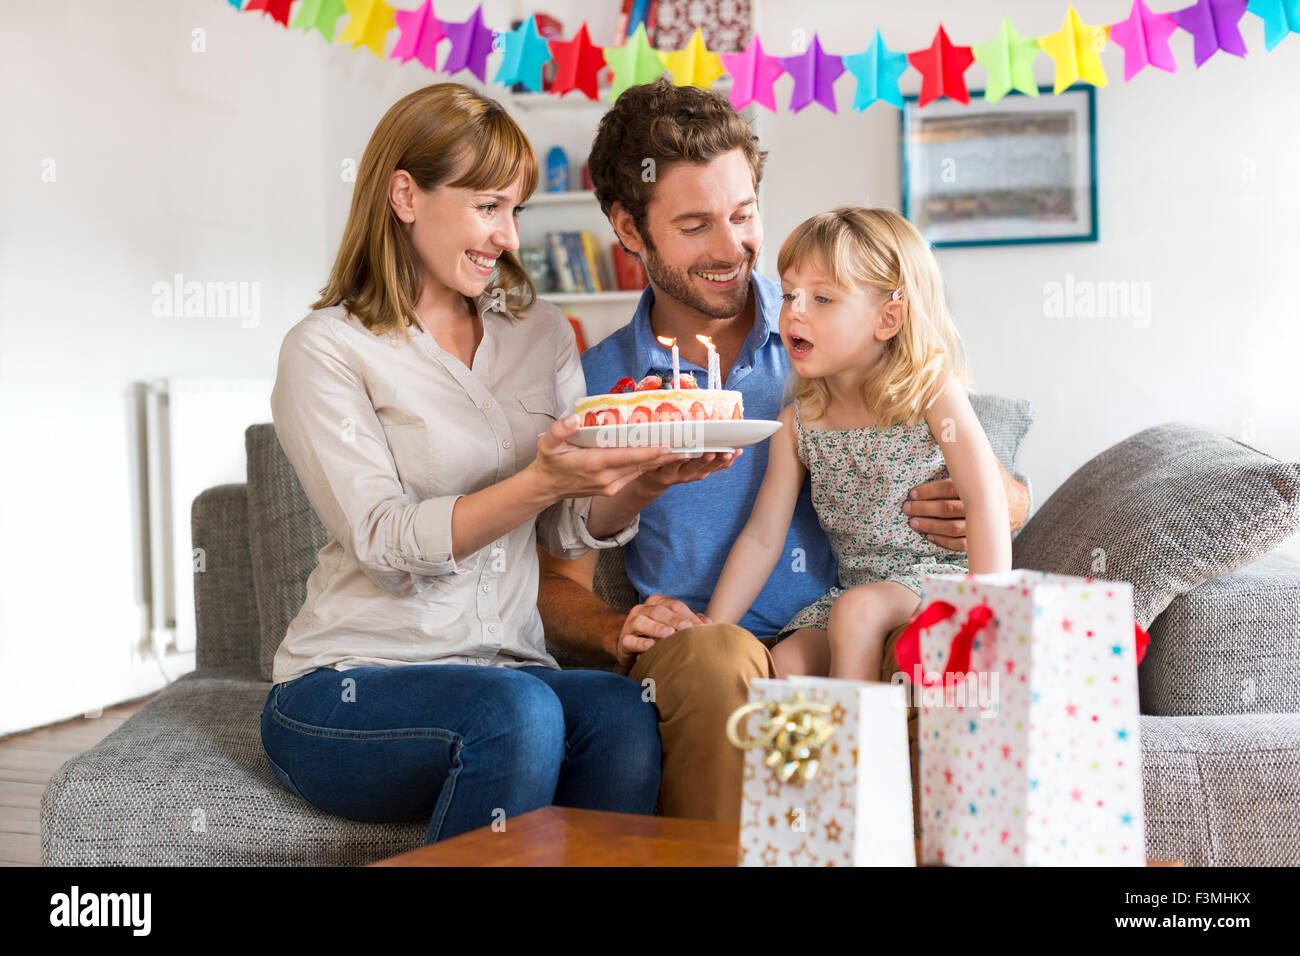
(321, 14)
(634, 63)
(1009, 62)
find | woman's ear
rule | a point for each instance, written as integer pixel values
(401, 195)
(625, 228)
(891, 320)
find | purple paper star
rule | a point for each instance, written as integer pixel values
(1213, 26)
(421, 34)
(815, 73)
(752, 75)
(471, 42)
(1144, 37)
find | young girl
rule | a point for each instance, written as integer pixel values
(878, 408)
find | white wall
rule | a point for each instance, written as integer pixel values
(225, 166)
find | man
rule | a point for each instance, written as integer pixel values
(676, 170)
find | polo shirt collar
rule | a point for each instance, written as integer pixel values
(767, 316)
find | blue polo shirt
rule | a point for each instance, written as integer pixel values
(686, 534)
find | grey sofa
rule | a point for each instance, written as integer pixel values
(184, 780)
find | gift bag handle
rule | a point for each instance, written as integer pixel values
(908, 649)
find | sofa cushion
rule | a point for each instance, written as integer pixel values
(1165, 510)
(1222, 791)
(284, 536)
(184, 781)
(1230, 646)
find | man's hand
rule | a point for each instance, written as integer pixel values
(935, 510)
(659, 617)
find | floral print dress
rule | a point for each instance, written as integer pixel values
(859, 479)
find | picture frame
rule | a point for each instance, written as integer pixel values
(1017, 171)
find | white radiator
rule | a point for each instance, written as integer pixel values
(194, 439)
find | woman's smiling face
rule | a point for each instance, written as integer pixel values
(459, 233)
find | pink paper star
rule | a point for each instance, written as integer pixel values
(752, 74)
(421, 34)
(1144, 37)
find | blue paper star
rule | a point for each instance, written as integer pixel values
(972, 809)
(526, 52)
(1280, 18)
(1127, 819)
(1122, 734)
(877, 69)
(972, 726)
(1116, 649)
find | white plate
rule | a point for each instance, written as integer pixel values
(696, 436)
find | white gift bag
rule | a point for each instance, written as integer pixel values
(1032, 757)
(827, 780)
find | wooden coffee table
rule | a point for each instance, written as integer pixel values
(563, 836)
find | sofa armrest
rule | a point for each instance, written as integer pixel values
(225, 604)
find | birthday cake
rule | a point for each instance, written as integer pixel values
(629, 402)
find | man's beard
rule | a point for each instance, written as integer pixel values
(677, 284)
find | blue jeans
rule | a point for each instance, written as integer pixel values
(462, 745)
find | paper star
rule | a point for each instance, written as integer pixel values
(368, 23)
(634, 63)
(235, 3)
(1009, 63)
(471, 42)
(578, 63)
(877, 70)
(278, 9)
(321, 14)
(752, 75)
(814, 73)
(942, 66)
(421, 34)
(1280, 18)
(1213, 26)
(1144, 38)
(1076, 48)
(524, 56)
(694, 65)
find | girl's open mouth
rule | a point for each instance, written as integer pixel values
(799, 347)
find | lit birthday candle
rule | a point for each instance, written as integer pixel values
(714, 368)
(677, 372)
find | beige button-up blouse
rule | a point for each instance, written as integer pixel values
(385, 435)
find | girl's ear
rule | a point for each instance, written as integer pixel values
(891, 320)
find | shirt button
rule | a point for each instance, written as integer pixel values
(505, 443)
(488, 404)
(492, 628)
(483, 660)
(486, 589)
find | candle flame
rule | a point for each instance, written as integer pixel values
(705, 339)
(664, 340)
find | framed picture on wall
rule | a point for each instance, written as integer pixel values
(1023, 169)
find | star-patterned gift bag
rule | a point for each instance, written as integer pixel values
(826, 776)
(1028, 731)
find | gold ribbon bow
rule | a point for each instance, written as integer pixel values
(793, 732)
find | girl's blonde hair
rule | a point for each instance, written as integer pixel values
(377, 273)
(879, 250)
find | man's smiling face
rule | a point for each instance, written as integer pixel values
(702, 234)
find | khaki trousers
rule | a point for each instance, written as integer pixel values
(700, 675)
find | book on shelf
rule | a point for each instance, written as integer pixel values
(577, 262)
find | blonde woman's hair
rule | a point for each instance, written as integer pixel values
(429, 133)
(878, 251)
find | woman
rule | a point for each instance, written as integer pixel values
(415, 681)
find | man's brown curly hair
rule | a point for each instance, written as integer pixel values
(668, 124)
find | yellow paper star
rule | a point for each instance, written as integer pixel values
(1076, 48)
(696, 65)
(368, 23)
